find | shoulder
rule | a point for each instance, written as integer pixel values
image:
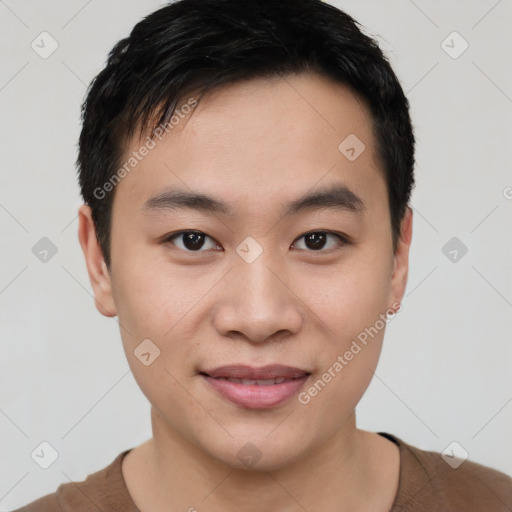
(48, 503)
(103, 490)
(429, 482)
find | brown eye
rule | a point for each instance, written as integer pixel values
(193, 241)
(318, 240)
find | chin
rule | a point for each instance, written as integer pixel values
(258, 452)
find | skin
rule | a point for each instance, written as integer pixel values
(255, 145)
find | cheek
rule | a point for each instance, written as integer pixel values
(353, 304)
(154, 301)
(353, 310)
(153, 313)
(349, 298)
(165, 305)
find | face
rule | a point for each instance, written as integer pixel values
(265, 270)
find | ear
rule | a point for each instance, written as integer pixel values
(96, 267)
(401, 261)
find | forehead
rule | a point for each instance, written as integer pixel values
(262, 139)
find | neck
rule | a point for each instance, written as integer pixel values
(171, 471)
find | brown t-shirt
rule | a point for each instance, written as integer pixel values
(427, 483)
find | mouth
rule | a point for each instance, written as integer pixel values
(256, 388)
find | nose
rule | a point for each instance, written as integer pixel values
(257, 303)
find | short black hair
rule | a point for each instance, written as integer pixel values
(199, 45)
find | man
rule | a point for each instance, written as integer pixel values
(246, 169)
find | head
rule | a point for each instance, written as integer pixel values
(278, 138)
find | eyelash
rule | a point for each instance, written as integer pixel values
(342, 240)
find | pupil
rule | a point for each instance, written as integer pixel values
(193, 241)
(315, 240)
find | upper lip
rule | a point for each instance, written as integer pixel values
(273, 371)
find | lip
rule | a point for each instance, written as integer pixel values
(241, 371)
(255, 396)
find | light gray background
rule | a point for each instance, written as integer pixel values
(445, 370)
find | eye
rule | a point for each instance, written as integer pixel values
(318, 240)
(192, 241)
(197, 241)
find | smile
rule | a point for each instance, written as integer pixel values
(256, 388)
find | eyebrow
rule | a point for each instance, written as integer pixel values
(338, 197)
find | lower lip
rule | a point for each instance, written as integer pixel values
(253, 396)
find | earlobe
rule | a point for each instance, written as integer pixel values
(99, 274)
(401, 261)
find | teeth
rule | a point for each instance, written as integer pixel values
(259, 382)
(267, 382)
